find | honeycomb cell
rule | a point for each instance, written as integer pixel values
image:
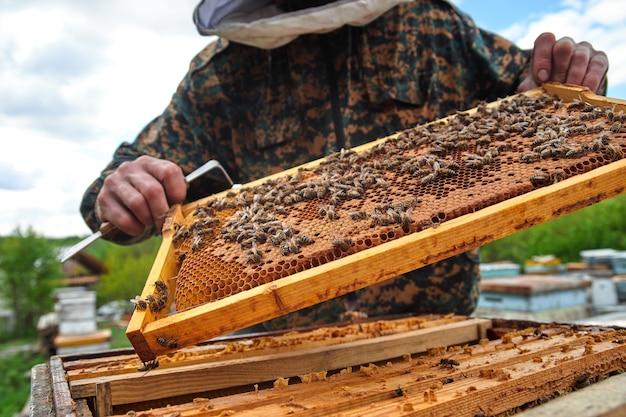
(425, 176)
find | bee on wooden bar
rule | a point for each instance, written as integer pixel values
(139, 303)
(167, 342)
(162, 291)
(446, 363)
(156, 304)
(180, 232)
(576, 104)
(153, 364)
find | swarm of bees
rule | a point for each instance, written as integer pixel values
(353, 200)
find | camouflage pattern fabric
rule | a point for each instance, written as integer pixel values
(262, 111)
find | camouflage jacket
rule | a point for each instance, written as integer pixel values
(261, 111)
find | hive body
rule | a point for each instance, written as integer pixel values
(415, 180)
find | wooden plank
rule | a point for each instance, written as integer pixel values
(162, 270)
(64, 404)
(163, 383)
(251, 345)
(104, 405)
(382, 262)
(523, 368)
(82, 339)
(41, 398)
(606, 399)
(571, 92)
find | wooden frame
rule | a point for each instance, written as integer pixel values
(369, 266)
(448, 365)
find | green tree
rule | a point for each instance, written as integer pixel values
(29, 270)
(129, 267)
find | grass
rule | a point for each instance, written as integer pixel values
(118, 337)
(15, 371)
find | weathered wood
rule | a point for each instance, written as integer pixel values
(64, 404)
(523, 368)
(605, 399)
(104, 405)
(163, 383)
(41, 400)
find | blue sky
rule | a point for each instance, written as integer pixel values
(498, 15)
(79, 77)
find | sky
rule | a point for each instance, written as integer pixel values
(77, 78)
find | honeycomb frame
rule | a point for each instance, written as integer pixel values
(342, 223)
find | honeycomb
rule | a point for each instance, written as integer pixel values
(352, 201)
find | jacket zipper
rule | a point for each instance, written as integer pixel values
(334, 94)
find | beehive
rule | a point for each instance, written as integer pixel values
(358, 201)
(419, 366)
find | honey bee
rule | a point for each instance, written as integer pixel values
(529, 157)
(616, 127)
(446, 363)
(358, 215)
(329, 212)
(576, 104)
(595, 129)
(181, 232)
(613, 152)
(428, 178)
(253, 255)
(162, 290)
(540, 179)
(342, 244)
(196, 243)
(139, 303)
(405, 216)
(355, 192)
(304, 240)
(291, 246)
(148, 365)
(156, 304)
(167, 342)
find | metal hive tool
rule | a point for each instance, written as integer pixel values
(364, 215)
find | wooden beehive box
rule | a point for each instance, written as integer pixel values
(359, 217)
(417, 366)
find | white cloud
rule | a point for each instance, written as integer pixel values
(79, 77)
(599, 22)
(76, 79)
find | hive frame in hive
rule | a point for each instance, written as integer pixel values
(152, 334)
